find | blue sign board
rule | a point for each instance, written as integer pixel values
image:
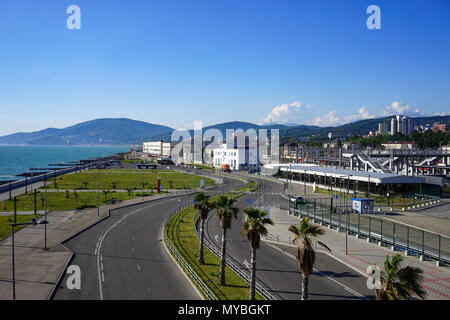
(249, 200)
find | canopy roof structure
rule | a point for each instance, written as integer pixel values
(364, 176)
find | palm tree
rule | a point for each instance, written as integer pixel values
(203, 206)
(399, 283)
(225, 210)
(306, 256)
(255, 226)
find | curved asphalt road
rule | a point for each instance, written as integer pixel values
(277, 268)
(132, 262)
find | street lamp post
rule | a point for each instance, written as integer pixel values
(304, 184)
(142, 185)
(45, 213)
(32, 222)
(98, 192)
(179, 214)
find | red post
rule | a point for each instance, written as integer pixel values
(159, 185)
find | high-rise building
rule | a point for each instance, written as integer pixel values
(437, 126)
(393, 126)
(402, 124)
(382, 128)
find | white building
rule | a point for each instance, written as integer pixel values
(402, 124)
(237, 159)
(399, 145)
(157, 148)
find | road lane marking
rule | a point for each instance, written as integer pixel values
(139, 267)
(101, 277)
(323, 274)
(132, 250)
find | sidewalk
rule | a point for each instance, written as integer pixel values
(361, 254)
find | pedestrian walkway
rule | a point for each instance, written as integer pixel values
(361, 254)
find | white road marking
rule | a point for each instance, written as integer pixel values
(101, 277)
(132, 250)
(323, 274)
(139, 267)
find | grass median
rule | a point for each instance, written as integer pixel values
(250, 187)
(187, 244)
(124, 179)
(5, 228)
(66, 200)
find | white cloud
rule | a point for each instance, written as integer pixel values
(398, 107)
(331, 118)
(299, 113)
(362, 114)
(326, 120)
(286, 113)
(442, 114)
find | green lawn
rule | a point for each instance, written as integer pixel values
(64, 201)
(187, 244)
(203, 166)
(251, 186)
(5, 229)
(128, 179)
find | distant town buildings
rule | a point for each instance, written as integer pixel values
(437, 126)
(235, 158)
(402, 124)
(382, 128)
(399, 145)
(157, 148)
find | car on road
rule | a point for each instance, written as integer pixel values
(298, 200)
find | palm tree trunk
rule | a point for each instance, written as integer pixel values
(201, 260)
(224, 254)
(253, 275)
(305, 280)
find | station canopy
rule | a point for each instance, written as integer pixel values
(365, 176)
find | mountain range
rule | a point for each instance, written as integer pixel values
(124, 131)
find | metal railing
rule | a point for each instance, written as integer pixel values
(233, 264)
(185, 265)
(400, 236)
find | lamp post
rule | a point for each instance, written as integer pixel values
(304, 184)
(32, 222)
(179, 213)
(45, 213)
(98, 192)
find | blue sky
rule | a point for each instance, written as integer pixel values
(175, 61)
